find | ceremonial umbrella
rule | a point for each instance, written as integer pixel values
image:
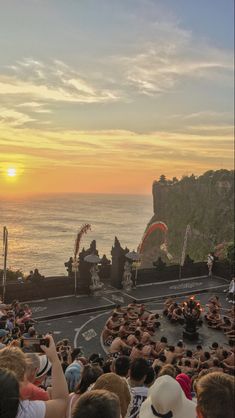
(92, 258)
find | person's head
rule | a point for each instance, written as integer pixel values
(137, 333)
(180, 344)
(216, 362)
(139, 346)
(9, 394)
(162, 358)
(121, 366)
(224, 354)
(166, 399)
(168, 370)
(185, 383)
(189, 353)
(207, 355)
(97, 403)
(31, 332)
(151, 376)
(13, 359)
(187, 363)
(199, 347)
(89, 376)
(163, 340)
(73, 375)
(139, 370)
(215, 345)
(171, 348)
(215, 396)
(117, 385)
(33, 364)
(96, 359)
(3, 334)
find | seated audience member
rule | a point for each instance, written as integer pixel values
(138, 374)
(13, 359)
(97, 403)
(167, 399)
(150, 379)
(28, 389)
(168, 370)
(186, 384)
(117, 385)
(89, 376)
(73, 374)
(3, 335)
(215, 396)
(9, 394)
(121, 366)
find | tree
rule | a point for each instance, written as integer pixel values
(231, 253)
(162, 179)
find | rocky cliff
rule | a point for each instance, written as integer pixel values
(206, 203)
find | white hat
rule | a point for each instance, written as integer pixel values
(166, 399)
(45, 366)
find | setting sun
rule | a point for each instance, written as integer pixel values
(11, 172)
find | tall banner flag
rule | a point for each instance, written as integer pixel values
(187, 233)
(5, 251)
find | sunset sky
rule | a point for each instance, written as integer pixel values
(106, 95)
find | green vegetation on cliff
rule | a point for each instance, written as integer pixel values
(206, 203)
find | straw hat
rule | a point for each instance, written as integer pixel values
(167, 400)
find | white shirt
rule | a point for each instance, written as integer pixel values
(31, 409)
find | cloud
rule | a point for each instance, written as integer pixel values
(123, 150)
(55, 81)
(171, 55)
(13, 118)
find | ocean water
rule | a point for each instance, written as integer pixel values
(42, 230)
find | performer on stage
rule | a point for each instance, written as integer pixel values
(210, 262)
(231, 291)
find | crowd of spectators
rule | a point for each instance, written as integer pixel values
(140, 378)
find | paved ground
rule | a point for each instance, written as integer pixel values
(85, 329)
(69, 305)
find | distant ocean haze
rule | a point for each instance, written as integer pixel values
(42, 230)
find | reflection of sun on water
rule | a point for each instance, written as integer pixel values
(11, 172)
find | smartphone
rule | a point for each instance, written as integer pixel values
(34, 344)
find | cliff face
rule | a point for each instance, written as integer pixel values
(205, 203)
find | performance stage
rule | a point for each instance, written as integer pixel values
(81, 319)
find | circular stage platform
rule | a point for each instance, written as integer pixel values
(82, 318)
